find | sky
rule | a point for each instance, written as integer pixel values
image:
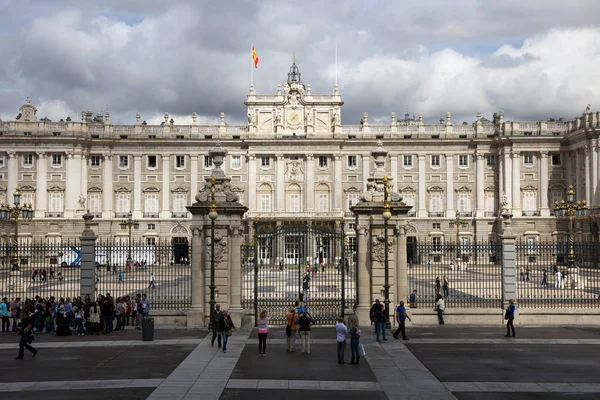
(534, 59)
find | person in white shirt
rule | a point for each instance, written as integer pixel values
(341, 332)
(439, 307)
(558, 278)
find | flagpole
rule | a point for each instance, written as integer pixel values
(252, 70)
(336, 65)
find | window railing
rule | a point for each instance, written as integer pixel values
(96, 214)
(465, 214)
(150, 215)
(54, 214)
(489, 214)
(182, 214)
(121, 214)
(531, 213)
(437, 213)
(411, 214)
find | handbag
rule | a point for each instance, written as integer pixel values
(507, 313)
(362, 350)
(288, 330)
(228, 333)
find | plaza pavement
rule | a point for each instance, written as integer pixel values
(438, 362)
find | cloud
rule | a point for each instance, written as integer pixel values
(432, 56)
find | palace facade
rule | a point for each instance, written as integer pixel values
(295, 160)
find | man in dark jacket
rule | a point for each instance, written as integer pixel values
(26, 332)
(215, 317)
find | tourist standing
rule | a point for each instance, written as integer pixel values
(439, 307)
(341, 331)
(263, 332)
(290, 329)
(354, 339)
(4, 314)
(79, 321)
(137, 315)
(215, 317)
(225, 328)
(26, 332)
(544, 278)
(412, 299)
(510, 317)
(401, 319)
(374, 309)
(445, 286)
(152, 281)
(381, 323)
(304, 324)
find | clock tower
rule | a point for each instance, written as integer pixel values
(295, 111)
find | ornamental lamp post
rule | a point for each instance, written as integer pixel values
(457, 222)
(571, 209)
(213, 215)
(386, 217)
(128, 224)
(14, 213)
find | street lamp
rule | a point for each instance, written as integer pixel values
(14, 212)
(128, 224)
(386, 217)
(571, 209)
(457, 222)
(213, 215)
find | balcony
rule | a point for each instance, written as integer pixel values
(96, 214)
(465, 214)
(150, 215)
(531, 213)
(54, 214)
(436, 214)
(183, 214)
(411, 214)
(122, 215)
(489, 214)
(349, 214)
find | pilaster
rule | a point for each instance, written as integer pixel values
(107, 187)
(310, 183)
(516, 184)
(41, 190)
(166, 178)
(137, 187)
(422, 194)
(543, 185)
(480, 186)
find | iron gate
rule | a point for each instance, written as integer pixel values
(298, 260)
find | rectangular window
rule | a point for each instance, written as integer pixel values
(56, 160)
(528, 159)
(351, 161)
(265, 202)
(555, 159)
(322, 161)
(463, 161)
(323, 202)
(435, 161)
(56, 202)
(180, 161)
(208, 162)
(265, 162)
(151, 203)
(151, 227)
(95, 161)
(150, 241)
(436, 242)
(236, 162)
(179, 203)
(294, 202)
(436, 225)
(94, 203)
(151, 162)
(122, 206)
(407, 161)
(27, 198)
(435, 202)
(409, 200)
(491, 161)
(490, 204)
(464, 202)
(351, 201)
(123, 161)
(28, 159)
(529, 201)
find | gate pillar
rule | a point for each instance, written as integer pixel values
(223, 234)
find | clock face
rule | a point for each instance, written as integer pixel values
(294, 118)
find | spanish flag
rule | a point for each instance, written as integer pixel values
(254, 57)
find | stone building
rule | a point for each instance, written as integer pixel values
(295, 159)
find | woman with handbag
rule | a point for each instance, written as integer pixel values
(263, 332)
(225, 327)
(509, 315)
(290, 329)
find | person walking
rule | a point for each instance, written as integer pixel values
(544, 278)
(26, 332)
(263, 332)
(4, 314)
(510, 317)
(374, 309)
(215, 317)
(354, 339)
(304, 324)
(152, 281)
(225, 328)
(401, 319)
(290, 329)
(445, 286)
(438, 285)
(557, 283)
(439, 307)
(341, 331)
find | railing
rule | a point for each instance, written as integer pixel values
(181, 129)
(57, 127)
(411, 214)
(179, 214)
(54, 214)
(237, 129)
(152, 129)
(490, 213)
(544, 278)
(96, 214)
(407, 129)
(121, 214)
(124, 129)
(468, 276)
(437, 213)
(351, 129)
(96, 128)
(557, 126)
(208, 130)
(379, 128)
(531, 213)
(465, 214)
(150, 215)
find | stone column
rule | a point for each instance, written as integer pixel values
(236, 232)
(422, 195)
(501, 188)
(588, 173)
(12, 176)
(339, 196)
(87, 272)
(509, 269)
(252, 178)
(516, 184)
(450, 185)
(73, 183)
(280, 183)
(84, 179)
(137, 187)
(394, 171)
(401, 267)
(480, 195)
(364, 278)
(310, 183)
(193, 179)
(195, 315)
(543, 196)
(41, 190)
(594, 174)
(568, 156)
(578, 173)
(507, 177)
(366, 171)
(107, 187)
(166, 192)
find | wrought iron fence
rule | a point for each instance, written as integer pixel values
(292, 261)
(54, 270)
(469, 276)
(545, 278)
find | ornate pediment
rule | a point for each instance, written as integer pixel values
(151, 189)
(123, 190)
(27, 111)
(408, 189)
(56, 189)
(435, 189)
(179, 189)
(94, 189)
(464, 189)
(490, 189)
(528, 188)
(27, 188)
(353, 189)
